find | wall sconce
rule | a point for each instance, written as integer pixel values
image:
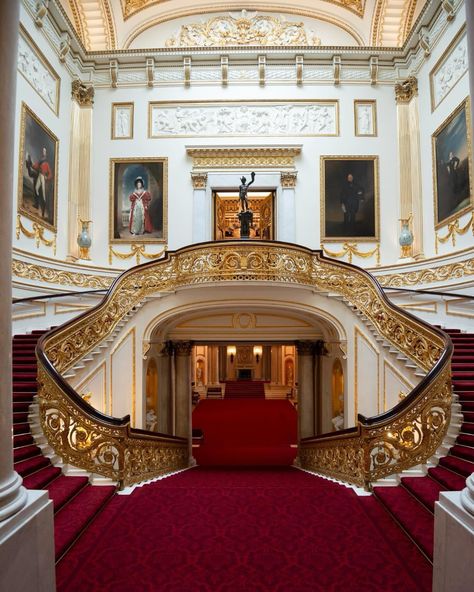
(231, 351)
(257, 352)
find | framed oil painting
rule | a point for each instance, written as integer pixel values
(138, 200)
(37, 171)
(349, 198)
(452, 167)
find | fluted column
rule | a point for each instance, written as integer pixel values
(201, 217)
(305, 389)
(183, 388)
(79, 162)
(287, 208)
(222, 355)
(406, 95)
(12, 494)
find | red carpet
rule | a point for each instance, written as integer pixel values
(244, 389)
(208, 530)
(245, 432)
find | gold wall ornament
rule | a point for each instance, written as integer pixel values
(442, 273)
(453, 231)
(406, 90)
(137, 251)
(288, 179)
(223, 31)
(371, 452)
(49, 275)
(199, 180)
(36, 233)
(83, 93)
(252, 157)
(351, 250)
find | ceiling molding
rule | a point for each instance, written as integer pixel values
(392, 22)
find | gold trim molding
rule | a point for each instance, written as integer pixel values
(37, 233)
(49, 275)
(288, 179)
(453, 231)
(243, 157)
(137, 251)
(351, 250)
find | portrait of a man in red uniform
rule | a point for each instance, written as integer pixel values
(38, 163)
(138, 200)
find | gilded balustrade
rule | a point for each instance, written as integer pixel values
(406, 436)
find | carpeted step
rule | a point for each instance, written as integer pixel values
(74, 517)
(25, 367)
(425, 489)
(459, 358)
(25, 452)
(64, 488)
(22, 440)
(418, 566)
(447, 478)
(468, 417)
(465, 395)
(20, 417)
(464, 452)
(40, 479)
(24, 387)
(413, 517)
(465, 440)
(21, 406)
(467, 427)
(24, 376)
(467, 406)
(462, 467)
(23, 397)
(463, 385)
(21, 428)
(27, 467)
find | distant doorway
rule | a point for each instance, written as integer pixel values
(226, 210)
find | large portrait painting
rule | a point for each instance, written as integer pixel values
(138, 200)
(349, 198)
(452, 166)
(37, 171)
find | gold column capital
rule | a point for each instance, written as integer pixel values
(182, 348)
(82, 93)
(199, 180)
(305, 348)
(288, 179)
(406, 90)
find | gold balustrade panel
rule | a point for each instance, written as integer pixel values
(404, 440)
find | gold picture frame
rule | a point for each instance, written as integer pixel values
(365, 118)
(121, 127)
(189, 119)
(346, 217)
(40, 88)
(452, 166)
(37, 171)
(150, 225)
(440, 63)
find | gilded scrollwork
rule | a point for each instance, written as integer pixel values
(374, 451)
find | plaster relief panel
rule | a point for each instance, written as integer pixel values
(318, 118)
(37, 71)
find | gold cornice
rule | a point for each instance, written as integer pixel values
(253, 157)
(110, 24)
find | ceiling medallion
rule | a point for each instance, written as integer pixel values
(221, 31)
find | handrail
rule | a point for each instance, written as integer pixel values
(60, 295)
(406, 435)
(431, 292)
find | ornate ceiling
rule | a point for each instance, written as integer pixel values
(116, 24)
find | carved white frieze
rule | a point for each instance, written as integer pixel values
(318, 118)
(34, 67)
(449, 70)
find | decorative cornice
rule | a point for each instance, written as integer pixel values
(406, 90)
(49, 275)
(82, 93)
(433, 275)
(241, 157)
(199, 180)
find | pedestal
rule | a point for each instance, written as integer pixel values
(246, 219)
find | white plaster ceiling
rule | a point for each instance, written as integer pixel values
(122, 24)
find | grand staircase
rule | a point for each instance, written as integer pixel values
(411, 503)
(76, 502)
(244, 389)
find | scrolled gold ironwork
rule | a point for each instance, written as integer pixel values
(37, 233)
(373, 450)
(137, 251)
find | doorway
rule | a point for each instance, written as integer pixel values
(226, 210)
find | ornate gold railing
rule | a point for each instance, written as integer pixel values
(405, 436)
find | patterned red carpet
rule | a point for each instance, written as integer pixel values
(278, 530)
(246, 432)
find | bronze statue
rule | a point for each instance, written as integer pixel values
(243, 190)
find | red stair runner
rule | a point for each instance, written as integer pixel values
(244, 389)
(76, 503)
(411, 503)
